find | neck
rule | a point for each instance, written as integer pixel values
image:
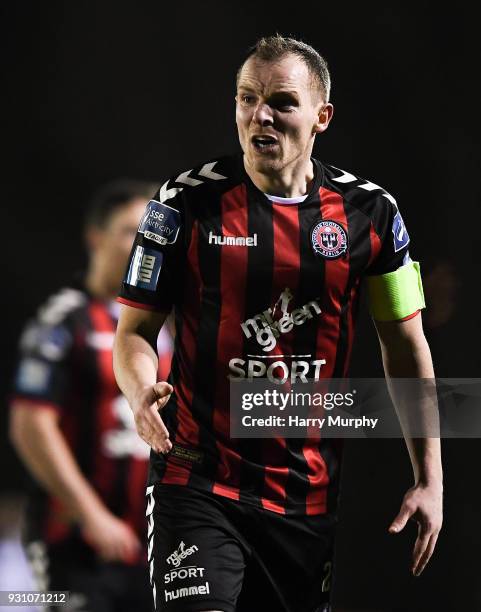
(291, 182)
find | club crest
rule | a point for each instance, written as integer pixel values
(329, 239)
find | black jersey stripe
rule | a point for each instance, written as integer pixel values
(230, 345)
(205, 374)
(257, 297)
(182, 426)
(358, 227)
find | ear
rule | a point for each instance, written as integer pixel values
(323, 118)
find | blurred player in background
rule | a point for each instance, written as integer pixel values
(75, 432)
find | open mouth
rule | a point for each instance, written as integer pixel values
(264, 143)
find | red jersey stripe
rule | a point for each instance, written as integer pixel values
(233, 257)
(336, 278)
(137, 304)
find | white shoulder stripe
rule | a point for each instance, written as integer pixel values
(207, 172)
(188, 180)
(390, 198)
(167, 194)
(347, 177)
(368, 186)
(184, 178)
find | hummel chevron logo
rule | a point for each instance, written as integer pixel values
(206, 171)
(166, 194)
(347, 177)
(187, 180)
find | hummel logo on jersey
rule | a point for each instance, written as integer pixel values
(181, 553)
(233, 240)
(206, 172)
(267, 329)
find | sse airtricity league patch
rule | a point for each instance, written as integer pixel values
(160, 223)
(401, 237)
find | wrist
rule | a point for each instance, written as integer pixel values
(431, 481)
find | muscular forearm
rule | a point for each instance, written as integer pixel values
(44, 450)
(415, 402)
(407, 358)
(135, 351)
(135, 364)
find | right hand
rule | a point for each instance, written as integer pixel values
(110, 537)
(150, 426)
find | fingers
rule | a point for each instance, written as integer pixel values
(423, 550)
(162, 390)
(424, 505)
(152, 429)
(150, 426)
(401, 519)
(158, 434)
(420, 546)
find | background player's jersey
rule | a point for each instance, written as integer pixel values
(66, 364)
(260, 289)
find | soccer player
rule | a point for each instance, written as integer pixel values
(75, 431)
(261, 255)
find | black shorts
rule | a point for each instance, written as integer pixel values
(208, 552)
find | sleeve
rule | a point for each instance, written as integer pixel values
(43, 370)
(394, 280)
(154, 273)
(394, 238)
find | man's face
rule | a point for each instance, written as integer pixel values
(112, 243)
(278, 112)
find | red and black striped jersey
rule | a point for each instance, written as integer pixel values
(65, 364)
(260, 289)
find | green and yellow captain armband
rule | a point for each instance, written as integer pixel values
(397, 294)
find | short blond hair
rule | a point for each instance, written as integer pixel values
(271, 48)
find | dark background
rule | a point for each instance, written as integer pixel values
(98, 90)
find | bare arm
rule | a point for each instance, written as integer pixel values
(36, 435)
(135, 367)
(406, 354)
